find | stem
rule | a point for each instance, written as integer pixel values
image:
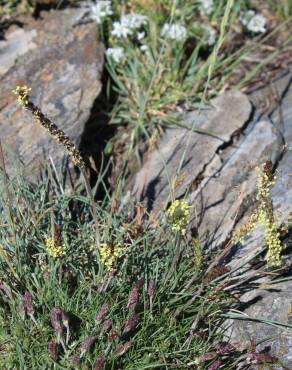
(6, 187)
(93, 206)
(175, 259)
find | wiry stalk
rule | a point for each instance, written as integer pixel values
(22, 93)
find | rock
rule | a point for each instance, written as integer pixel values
(61, 59)
(226, 190)
(270, 303)
(271, 300)
(215, 128)
(219, 180)
(17, 43)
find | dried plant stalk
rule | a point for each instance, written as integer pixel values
(22, 93)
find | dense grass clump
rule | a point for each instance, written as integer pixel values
(136, 313)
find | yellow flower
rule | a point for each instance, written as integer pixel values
(179, 216)
(274, 244)
(264, 215)
(22, 93)
(55, 250)
(109, 254)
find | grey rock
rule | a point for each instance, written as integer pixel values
(18, 42)
(208, 131)
(61, 59)
(223, 193)
(219, 180)
(271, 303)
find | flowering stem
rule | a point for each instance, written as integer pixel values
(93, 206)
(175, 259)
(151, 306)
(22, 93)
(6, 188)
(33, 319)
(67, 334)
(63, 345)
(107, 349)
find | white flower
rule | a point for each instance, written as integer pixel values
(174, 31)
(128, 24)
(120, 30)
(206, 6)
(140, 35)
(100, 10)
(246, 17)
(144, 48)
(211, 33)
(257, 24)
(134, 21)
(116, 54)
(253, 22)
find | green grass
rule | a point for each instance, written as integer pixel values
(74, 281)
(283, 8)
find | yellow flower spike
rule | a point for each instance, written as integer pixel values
(264, 215)
(179, 216)
(55, 250)
(109, 254)
(22, 93)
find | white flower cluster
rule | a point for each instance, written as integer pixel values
(128, 24)
(144, 48)
(100, 10)
(175, 32)
(141, 35)
(253, 22)
(211, 34)
(206, 6)
(117, 54)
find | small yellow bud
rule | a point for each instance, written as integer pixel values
(179, 216)
(22, 93)
(55, 250)
(109, 254)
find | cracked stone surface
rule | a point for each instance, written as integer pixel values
(217, 200)
(269, 303)
(272, 301)
(62, 68)
(218, 178)
(216, 126)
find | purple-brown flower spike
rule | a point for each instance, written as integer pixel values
(151, 288)
(56, 320)
(123, 348)
(225, 348)
(105, 326)
(99, 363)
(75, 359)
(86, 344)
(133, 299)
(131, 323)
(57, 323)
(52, 348)
(215, 365)
(139, 284)
(28, 305)
(113, 334)
(102, 312)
